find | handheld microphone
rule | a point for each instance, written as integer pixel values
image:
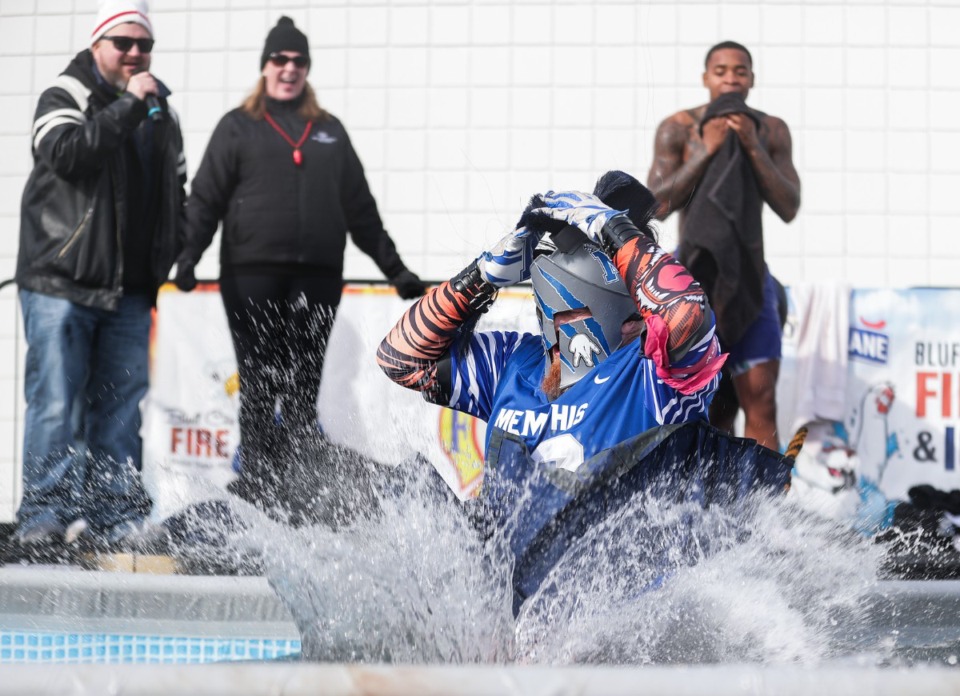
(154, 111)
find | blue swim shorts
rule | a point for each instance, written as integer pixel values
(761, 342)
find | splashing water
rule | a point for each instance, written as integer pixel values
(655, 583)
(411, 586)
(725, 586)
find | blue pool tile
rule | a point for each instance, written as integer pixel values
(47, 647)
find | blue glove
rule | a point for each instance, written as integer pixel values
(509, 261)
(584, 211)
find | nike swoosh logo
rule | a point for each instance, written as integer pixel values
(600, 380)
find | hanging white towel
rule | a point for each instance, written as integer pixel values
(823, 330)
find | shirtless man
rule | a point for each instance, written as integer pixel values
(683, 151)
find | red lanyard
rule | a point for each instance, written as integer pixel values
(297, 155)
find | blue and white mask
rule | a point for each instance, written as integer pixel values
(579, 275)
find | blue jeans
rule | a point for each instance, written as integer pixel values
(86, 373)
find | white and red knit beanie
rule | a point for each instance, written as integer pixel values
(112, 13)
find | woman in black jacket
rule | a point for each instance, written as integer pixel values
(284, 179)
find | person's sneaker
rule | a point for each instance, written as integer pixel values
(40, 540)
(43, 530)
(137, 536)
(75, 530)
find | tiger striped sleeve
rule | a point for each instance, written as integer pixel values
(662, 286)
(410, 352)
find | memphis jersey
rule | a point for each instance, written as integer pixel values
(496, 377)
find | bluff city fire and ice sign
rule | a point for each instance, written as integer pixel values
(903, 391)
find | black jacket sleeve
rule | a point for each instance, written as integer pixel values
(75, 145)
(211, 189)
(363, 218)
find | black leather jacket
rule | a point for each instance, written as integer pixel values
(74, 204)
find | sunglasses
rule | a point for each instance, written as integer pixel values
(125, 43)
(280, 60)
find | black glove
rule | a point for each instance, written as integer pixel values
(185, 279)
(408, 285)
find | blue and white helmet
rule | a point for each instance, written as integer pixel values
(577, 274)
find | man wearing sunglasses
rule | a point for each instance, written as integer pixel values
(101, 216)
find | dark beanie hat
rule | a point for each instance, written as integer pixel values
(621, 191)
(285, 37)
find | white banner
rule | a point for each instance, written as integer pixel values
(901, 414)
(190, 413)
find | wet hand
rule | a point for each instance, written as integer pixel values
(745, 128)
(714, 133)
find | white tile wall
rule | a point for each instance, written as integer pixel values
(460, 109)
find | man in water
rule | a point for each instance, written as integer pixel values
(626, 347)
(718, 164)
